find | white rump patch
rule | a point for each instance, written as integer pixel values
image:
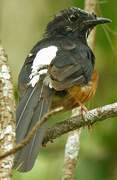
(43, 57)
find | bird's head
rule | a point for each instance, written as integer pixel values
(73, 20)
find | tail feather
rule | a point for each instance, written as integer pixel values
(31, 109)
(25, 110)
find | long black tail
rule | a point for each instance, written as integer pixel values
(34, 104)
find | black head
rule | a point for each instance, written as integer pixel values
(72, 20)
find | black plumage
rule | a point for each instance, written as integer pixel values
(72, 65)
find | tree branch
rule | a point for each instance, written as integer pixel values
(76, 122)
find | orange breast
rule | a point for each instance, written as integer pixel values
(82, 94)
(76, 95)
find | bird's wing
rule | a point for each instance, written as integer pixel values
(71, 66)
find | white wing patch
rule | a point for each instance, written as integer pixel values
(43, 57)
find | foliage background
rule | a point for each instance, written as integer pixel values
(22, 24)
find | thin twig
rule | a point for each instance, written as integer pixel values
(30, 135)
(107, 29)
(110, 30)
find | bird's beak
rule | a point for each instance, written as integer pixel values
(96, 21)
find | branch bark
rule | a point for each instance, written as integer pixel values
(71, 151)
(7, 124)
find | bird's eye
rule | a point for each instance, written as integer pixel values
(73, 18)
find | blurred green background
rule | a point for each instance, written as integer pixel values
(22, 24)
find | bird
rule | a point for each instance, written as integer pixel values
(58, 72)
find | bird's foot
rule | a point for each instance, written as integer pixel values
(83, 109)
